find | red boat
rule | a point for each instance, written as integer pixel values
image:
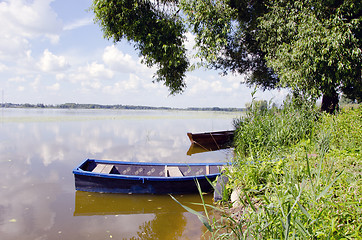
(212, 140)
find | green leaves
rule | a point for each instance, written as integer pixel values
(211, 22)
(156, 33)
(311, 47)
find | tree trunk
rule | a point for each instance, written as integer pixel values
(330, 102)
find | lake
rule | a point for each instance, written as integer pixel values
(40, 147)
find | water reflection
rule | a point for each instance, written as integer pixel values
(168, 217)
(162, 228)
(39, 149)
(197, 148)
(89, 204)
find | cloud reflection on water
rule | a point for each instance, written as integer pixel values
(38, 153)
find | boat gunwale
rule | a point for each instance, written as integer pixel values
(80, 171)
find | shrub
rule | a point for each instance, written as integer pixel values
(266, 132)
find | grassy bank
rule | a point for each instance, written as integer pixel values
(299, 174)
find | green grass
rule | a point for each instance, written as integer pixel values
(268, 132)
(300, 175)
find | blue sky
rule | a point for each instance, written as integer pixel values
(51, 52)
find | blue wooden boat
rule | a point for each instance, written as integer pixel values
(136, 177)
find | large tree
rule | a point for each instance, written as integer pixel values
(312, 47)
(315, 47)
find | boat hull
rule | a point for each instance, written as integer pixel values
(212, 140)
(87, 180)
(106, 185)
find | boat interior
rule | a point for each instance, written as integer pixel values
(151, 170)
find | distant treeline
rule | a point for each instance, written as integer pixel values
(118, 106)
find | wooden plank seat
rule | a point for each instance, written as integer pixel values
(103, 168)
(173, 171)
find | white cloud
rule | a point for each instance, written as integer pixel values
(95, 84)
(190, 41)
(12, 47)
(34, 18)
(50, 62)
(22, 20)
(277, 96)
(60, 76)
(91, 76)
(217, 86)
(78, 23)
(96, 70)
(118, 61)
(190, 44)
(24, 64)
(54, 87)
(234, 79)
(17, 79)
(53, 38)
(36, 83)
(199, 85)
(134, 83)
(3, 67)
(196, 84)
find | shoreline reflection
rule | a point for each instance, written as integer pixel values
(90, 203)
(169, 219)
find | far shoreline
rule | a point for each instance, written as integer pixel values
(115, 107)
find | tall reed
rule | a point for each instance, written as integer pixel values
(268, 131)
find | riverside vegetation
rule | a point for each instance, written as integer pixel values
(298, 172)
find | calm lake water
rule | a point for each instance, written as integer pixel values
(39, 149)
